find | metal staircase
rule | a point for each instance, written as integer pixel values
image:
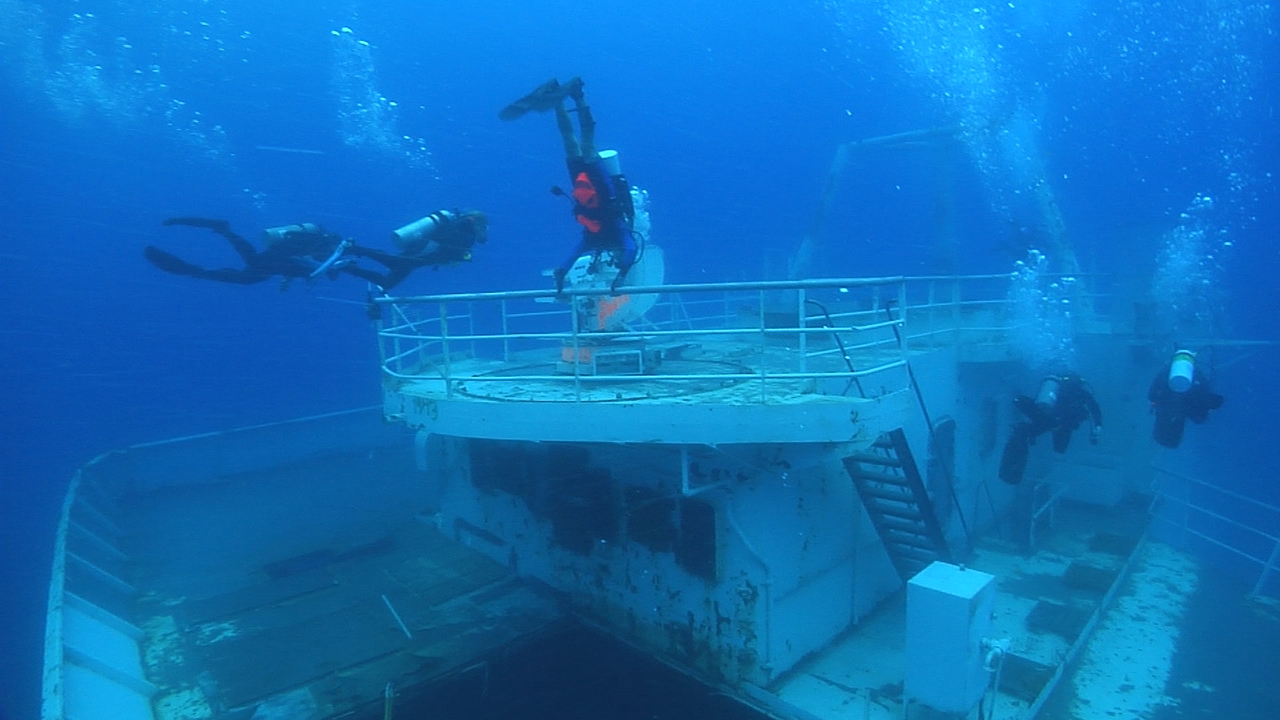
(889, 483)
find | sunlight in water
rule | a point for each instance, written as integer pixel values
(367, 118)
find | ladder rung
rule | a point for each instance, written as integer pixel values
(912, 541)
(882, 460)
(93, 538)
(896, 494)
(109, 578)
(906, 512)
(903, 526)
(881, 477)
(890, 485)
(914, 554)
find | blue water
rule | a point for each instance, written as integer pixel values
(115, 115)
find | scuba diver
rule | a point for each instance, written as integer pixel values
(444, 237)
(1062, 403)
(1181, 391)
(601, 196)
(290, 251)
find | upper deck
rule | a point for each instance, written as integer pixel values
(782, 362)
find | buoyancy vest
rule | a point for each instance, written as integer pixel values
(600, 202)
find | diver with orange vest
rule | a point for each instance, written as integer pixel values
(601, 195)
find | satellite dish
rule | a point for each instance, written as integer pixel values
(607, 313)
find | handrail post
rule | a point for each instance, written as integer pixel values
(764, 341)
(379, 326)
(446, 369)
(382, 348)
(574, 329)
(399, 348)
(1266, 569)
(933, 313)
(903, 335)
(955, 311)
(506, 330)
(471, 327)
(803, 327)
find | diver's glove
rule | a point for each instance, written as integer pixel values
(1094, 434)
(559, 276)
(332, 261)
(336, 268)
(618, 279)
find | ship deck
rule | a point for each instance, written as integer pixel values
(1049, 601)
(717, 392)
(710, 365)
(262, 586)
(304, 569)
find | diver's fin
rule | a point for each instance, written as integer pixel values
(1013, 461)
(220, 226)
(573, 88)
(172, 263)
(544, 97)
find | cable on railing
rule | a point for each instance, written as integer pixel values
(848, 362)
(928, 421)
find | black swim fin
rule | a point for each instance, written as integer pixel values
(219, 226)
(1013, 461)
(208, 223)
(544, 97)
(172, 263)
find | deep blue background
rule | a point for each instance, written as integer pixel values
(728, 112)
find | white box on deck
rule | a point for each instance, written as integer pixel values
(948, 614)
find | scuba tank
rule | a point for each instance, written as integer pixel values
(1182, 371)
(273, 235)
(610, 164)
(1047, 397)
(619, 190)
(413, 239)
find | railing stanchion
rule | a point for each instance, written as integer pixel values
(803, 326)
(932, 324)
(506, 332)
(446, 364)
(395, 343)
(574, 328)
(902, 303)
(1268, 568)
(764, 339)
(957, 333)
(471, 327)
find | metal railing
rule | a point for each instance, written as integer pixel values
(92, 650)
(1244, 527)
(832, 334)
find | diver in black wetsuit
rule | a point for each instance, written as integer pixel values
(601, 194)
(444, 237)
(1061, 405)
(1180, 391)
(291, 251)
